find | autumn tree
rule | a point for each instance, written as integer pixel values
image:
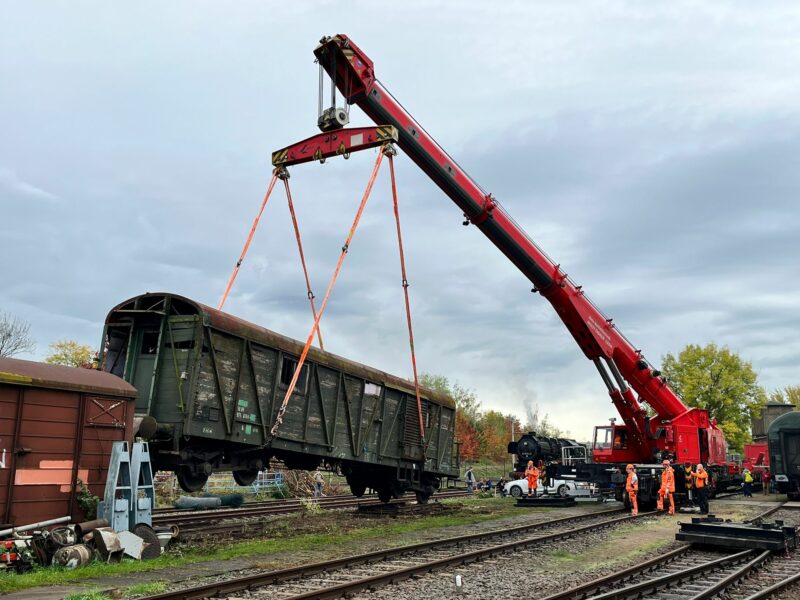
(468, 412)
(493, 435)
(721, 382)
(15, 336)
(787, 395)
(465, 399)
(69, 353)
(467, 436)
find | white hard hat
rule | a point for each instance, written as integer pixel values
(699, 466)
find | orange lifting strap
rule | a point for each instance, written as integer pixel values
(390, 151)
(278, 173)
(285, 176)
(249, 239)
(345, 247)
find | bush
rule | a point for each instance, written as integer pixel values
(281, 491)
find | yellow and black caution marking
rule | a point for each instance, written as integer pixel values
(279, 157)
(385, 133)
(348, 53)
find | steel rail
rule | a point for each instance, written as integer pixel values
(776, 587)
(586, 590)
(658, 561)
(283, 575)
(277, 502)
(343, 589)
(202, 517)
(637, 590)
(726, 582)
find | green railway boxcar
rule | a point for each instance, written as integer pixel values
(210, 386)
(783, 441)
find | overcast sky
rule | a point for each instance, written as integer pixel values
(653, 149)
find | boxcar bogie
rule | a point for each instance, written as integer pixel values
(783, 441)
(210, 386)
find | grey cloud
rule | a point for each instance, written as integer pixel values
(665, 183)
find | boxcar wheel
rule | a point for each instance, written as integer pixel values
(244, 478)
(357, 488)
(384, 495)
(190, 482)
(423, 497)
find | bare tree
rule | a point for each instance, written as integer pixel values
(15, 335)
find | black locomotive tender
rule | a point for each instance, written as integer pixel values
(210, 385)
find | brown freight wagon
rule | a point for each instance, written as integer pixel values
(57, 426)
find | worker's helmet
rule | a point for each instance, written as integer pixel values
(530, 463)
(629, 468)
(699, 467)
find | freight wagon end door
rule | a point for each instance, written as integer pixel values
(791, 446)
(61, 437)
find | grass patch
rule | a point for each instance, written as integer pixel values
(147, 589)
(475, 510)
(284, 537)
(87, 596)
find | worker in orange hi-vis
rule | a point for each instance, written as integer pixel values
(701, 485)
(532, 474)
(667, 488)
(632, 487)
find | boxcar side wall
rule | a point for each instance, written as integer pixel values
(214, 385)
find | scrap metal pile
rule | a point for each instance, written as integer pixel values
(74, 545)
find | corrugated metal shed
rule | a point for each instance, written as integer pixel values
(57, 426)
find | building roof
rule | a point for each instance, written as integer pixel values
(58, 377)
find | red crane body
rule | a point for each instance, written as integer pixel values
(677, 431)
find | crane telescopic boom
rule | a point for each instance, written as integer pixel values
(682, 432)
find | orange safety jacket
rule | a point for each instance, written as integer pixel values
(700, 479)
(668, 480)
(532, 473)
(632, 484)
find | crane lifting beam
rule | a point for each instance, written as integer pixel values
(334, 143)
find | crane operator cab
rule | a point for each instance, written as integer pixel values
(610, 444)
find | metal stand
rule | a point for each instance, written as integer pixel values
(116, 504)
(144, 494)
(711, 531)
(546, 501)
(129, 497)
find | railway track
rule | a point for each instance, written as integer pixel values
(340, 577)
(188, 520)
(691, 574)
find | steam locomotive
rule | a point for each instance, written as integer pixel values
(534, 447)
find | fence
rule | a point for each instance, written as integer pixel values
(222, 483)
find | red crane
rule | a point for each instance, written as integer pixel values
(675, 431)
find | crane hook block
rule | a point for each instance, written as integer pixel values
(341, 142)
